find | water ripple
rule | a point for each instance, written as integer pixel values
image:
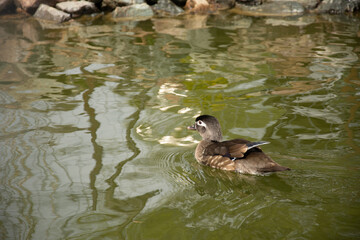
(176, 167)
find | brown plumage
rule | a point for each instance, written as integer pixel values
(235, 155)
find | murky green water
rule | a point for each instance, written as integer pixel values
(93, 117)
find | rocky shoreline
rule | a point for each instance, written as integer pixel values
(62, 10)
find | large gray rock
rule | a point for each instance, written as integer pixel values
(130, 2)
(30, 6)
(338, 6)
(49, 13)
(77, 8)
(167, 7)
(271, 9)
(112, 4)
(133, 11)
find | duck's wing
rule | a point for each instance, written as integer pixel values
(240, 155)
(233, 149)
(257, 162)
(221, 155)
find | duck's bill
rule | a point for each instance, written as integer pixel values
(191, 127)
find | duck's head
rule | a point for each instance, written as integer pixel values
(208, 128)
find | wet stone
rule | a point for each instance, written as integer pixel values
(338, 6)
(128, 2)
(49, 13)
(166, 7)
(77, 8)
(308, 4)
(136, 10)
(31, 6)
(272, 9)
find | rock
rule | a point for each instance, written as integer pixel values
(108, 5)
(197, 6)
(6, 5)
(338, 6)
(77, 8)
(180, 3)
(112, 4)
(205, 6)
(129, 2)
(96, 2)
(250, 2)
(287, 8)
(225, 4)
(166, 7)
(133, 11)
(49, 13)
(30, 6)
(307, 4)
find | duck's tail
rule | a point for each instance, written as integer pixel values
(255, 144)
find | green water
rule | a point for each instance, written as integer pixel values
(93, 117)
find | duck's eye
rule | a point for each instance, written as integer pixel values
(201, 123)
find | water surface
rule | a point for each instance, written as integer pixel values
(93, 117)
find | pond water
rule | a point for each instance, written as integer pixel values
(93, 117)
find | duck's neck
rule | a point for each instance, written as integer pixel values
(214, 136)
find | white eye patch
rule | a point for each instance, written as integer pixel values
(201, 123)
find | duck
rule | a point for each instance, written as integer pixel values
(238, 155)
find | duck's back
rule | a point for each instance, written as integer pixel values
(209, 154)
(235, 155)
(256, 161)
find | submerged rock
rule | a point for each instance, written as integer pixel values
(136, 10)
(77, 8)
(271, 9)
(49, 13)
